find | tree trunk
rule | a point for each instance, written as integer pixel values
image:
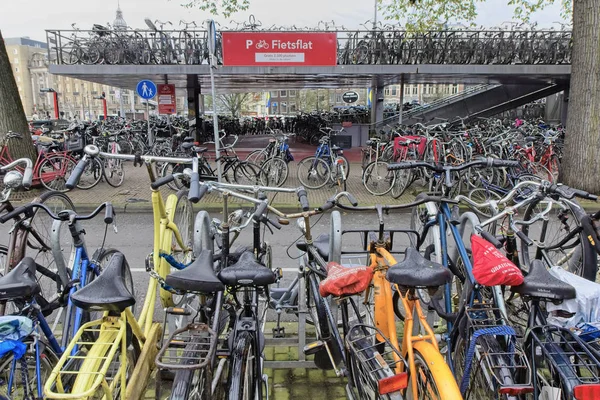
(581, 160)
(12, 116)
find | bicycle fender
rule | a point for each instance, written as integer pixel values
(442, 375)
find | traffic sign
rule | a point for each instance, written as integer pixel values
(166, 99)
(350, 97)
(146, 89)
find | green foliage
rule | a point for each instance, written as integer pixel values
(423, 15)
(218, 7)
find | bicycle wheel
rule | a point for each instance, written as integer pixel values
(246, 173)
(3, 258)
(113, 172)
(377, 179)
(339, 173)
(243, 374)
(91, 175)
(170, 169)
(257, 157)
(274, 172)
(402, 180)
(434, 378)
(481, 195)
(54, 171)
(47, 362)
(313, 173)
(183, 218)
(318, 314)
(562, 240)
(192, 384)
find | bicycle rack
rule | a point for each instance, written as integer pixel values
(483, 319)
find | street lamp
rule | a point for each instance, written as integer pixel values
(55, 97)
(103, 98)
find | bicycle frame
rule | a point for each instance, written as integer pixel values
(6, 158)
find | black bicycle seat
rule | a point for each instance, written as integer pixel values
(247, 272)
(198, 150)
(321, 243)
(418, 272)
(187, 145)
(539, 283)
(108, 291)
(335, 148)
(199, 276)
(20, 282)
(188, 139)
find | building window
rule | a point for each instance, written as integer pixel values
(15, 51)
(454, 89)
(283, 93)
(16, 69)
(18, 79)
(292, 107)
(386, 92)
(274, 94)
(292, 94)
(321, 97)
(274, 108)
(283, 108)
(407, 90)
(415, 89)
(16, 61)
(394, 91)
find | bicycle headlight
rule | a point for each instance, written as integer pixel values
(13, 179)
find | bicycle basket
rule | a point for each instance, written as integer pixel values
(74, 142)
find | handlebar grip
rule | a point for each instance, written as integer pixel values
(162, 181)
(275, 223)
(491, 238)
(563, 191)
(27, 177)
(327, 206)
(77, 172)
(109, 213)
(352, 199)
(13, 214)
(400, 165)
(503, 163)
(583, 194)
(303, 198)
(194, 193)
(524, 238)
(260, 210)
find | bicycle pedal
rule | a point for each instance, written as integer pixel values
(279, 332)
(313, 347)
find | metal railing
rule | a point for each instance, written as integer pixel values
(355, 47)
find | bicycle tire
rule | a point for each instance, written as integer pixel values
(313, 172)
(246, 173)
(274, 172)
(257, 157)
(191, 384)
(54, 171)
(581, 257)
(48, 359)
(377, 179)
(241, 376)
(92, 174)
(439, 379)
(113, 172)
(402, 181)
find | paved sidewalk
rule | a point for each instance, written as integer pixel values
(134, 195)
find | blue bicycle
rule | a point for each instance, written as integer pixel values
(327, 165)
(26, 359)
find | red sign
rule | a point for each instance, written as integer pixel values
(166, 99)
(279, 48)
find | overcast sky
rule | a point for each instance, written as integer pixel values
(32, 17)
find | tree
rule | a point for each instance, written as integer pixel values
(235, 103)
(12, 115)
(581, 161)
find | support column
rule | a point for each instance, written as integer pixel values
(565, 108)
(193, 93)
(401, 100)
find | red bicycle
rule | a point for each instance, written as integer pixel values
(51, 169)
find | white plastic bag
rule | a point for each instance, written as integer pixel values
(586, 306)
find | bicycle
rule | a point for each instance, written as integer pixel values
(120, 361)
(327, 165)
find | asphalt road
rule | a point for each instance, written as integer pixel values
(135, 235)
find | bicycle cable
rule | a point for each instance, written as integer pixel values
(287, 250)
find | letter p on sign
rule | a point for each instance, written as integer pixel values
(248, 43)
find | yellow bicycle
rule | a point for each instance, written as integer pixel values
(119, 362)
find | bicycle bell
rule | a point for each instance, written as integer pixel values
(235, 218)
(92, 150)
(13, 179)
(301, 224)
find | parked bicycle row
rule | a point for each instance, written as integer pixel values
(159, 43)
(511, 299)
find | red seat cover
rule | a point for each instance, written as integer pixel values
(491, 267)
(347, 281)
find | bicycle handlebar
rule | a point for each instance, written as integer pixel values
(487, 162)
(64, 215)
(27, 173)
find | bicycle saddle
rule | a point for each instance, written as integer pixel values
(335, 148)
(539, 283)
(108, 291)
(198, 150)
(247, 272)
(321, 243)
(418, 272)
(187, 145)
(199, 276)
(20, 282)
